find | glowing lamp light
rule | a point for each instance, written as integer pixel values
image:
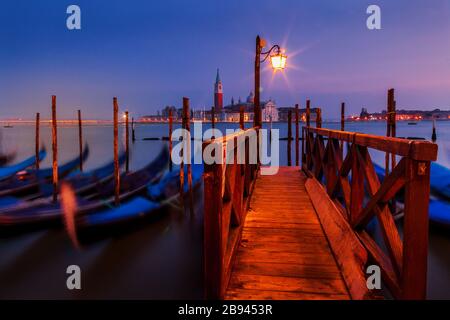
(278, 61)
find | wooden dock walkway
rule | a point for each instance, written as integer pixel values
(284, 253)
(303, 234)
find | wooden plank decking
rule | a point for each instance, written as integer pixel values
(284, 253)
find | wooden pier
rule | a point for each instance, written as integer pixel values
(302, 233)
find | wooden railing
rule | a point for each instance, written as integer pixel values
(227, 189)
(355, 195)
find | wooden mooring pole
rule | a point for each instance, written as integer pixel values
(289, 138)
(390, 119)
(342, 126)
(308, 113)
(241, 118)
(133, 135)
(213, 120)
(319, 118)
(127, 141)
(187, 140)
(394, 132)
(37, 140)
(170, 138)
(297, 137)
(54, 150)
(434, 134)
(80, 139)
(116, 153)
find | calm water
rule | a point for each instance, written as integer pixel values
(161, 259)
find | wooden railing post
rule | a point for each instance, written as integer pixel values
(357, 185)
(212, 242)
(415, 238)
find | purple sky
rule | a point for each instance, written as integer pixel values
(152, 53)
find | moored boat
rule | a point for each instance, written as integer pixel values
(45, 210)
(9, 171)
(158, 195)
(27, 182)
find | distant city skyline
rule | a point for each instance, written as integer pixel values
(151, 54)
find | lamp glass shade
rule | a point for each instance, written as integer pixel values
(278, 61)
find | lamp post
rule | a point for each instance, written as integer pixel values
(278, 61)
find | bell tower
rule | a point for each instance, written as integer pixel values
(218, 94)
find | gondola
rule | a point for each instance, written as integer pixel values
(157, 197)
(440, 181)
(28, 182)
(8, 172)
(438, 210)
(81, 182)
(44, 211)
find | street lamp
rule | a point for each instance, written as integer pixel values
(278, 61)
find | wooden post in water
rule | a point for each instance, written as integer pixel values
(241, 118)
(80, 139)
(297, 137)
(170, 138)
(187, 127)
(127, 141)
(342, 126)
(307, 136)
(390, 111)
(289, 137)
(394, 132)
(183, 125)
(319, 118)
(213, 120)
(116, 153)
(37, 139)
(133, 136)
(270, 128)
(308, 112)
(434, 134)
(54, 150)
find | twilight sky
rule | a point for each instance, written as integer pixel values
(152, 53)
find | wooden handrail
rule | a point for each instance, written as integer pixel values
(227, 187)
(417, 150)
(338, 185)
